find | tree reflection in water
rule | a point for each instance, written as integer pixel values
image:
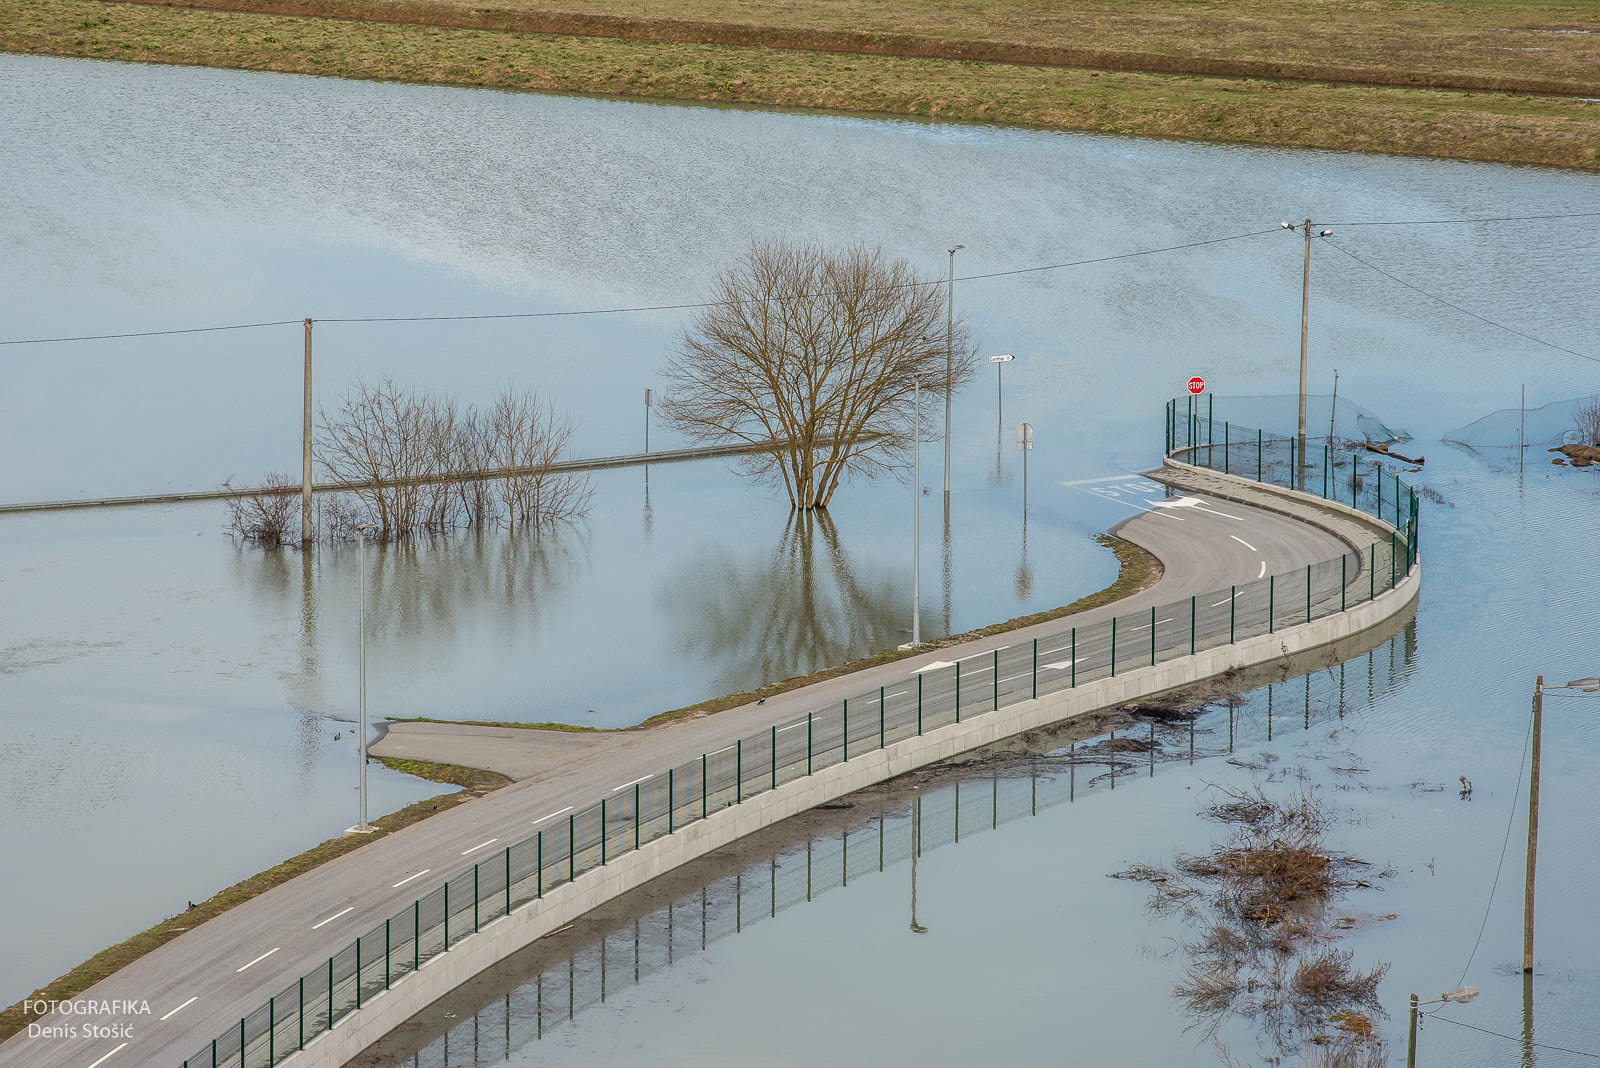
(803, 608)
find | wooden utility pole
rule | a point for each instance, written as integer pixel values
(305, 450)
(1533, 830)
(1305, 317)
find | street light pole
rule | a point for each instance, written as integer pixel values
(949, 358)
(362, 826)
(1461, 995)
(916, 511)
(1305, 317)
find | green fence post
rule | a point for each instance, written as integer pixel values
(1191, 624)
(1294, 472)
(476, 894)
(300, 1017)
(1355, 472)
(1233, 592)
(242, 1058)
(602, 831)
(214, 1054)
(958, 689)
(880, 718)
(1113, 646)
(1372, 567)
(388, 950)
(1308, 593)
(572, 849)
(1344, 578)
(1227, 444)
(330, 998)
(1271, 601)
(1072, 659)
(416, 933)
(272, 1034)
(1325, 457)
(738, 772)
(919, 705)
(844, 732)
(358, 976)
(1211, 425)
(538, 859)
(1152, 635)
(774, 744)
(997, 679)
(636, 815)
(1036, 668)
(808, 743)
(1259, 463)
(1391, 560)
(704, 810)
(447, 914)
(671, 794)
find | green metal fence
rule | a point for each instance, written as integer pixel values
(938, 695)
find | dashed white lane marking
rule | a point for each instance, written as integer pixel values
(1246, 544)
(1224, 601)
(107, 1057)
(335, 916)
(902, 693)
(553, 815)
(179, 1009)
(1263, 572)
(724, 749)
(1146, 626)
(635, 782)
(479, 846)
(259, 959)
(791, 726)
(408, 878)
(1224, 515)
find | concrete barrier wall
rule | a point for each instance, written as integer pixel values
(559, 907)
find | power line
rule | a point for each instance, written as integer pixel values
(1510, 819)
(637, 309)
(1464, 311)
(1465, 221)
(149, 333)
(1510, 1038)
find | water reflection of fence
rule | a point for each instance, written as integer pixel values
(940, 694)
(631, 951)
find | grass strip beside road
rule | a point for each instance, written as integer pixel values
(1494, 127)
(474, 783)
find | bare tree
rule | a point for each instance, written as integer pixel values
(268, 515)
(384, 441)
(1586, 413)
(814, 352)
(526, 435)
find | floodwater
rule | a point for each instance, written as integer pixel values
(168, 698)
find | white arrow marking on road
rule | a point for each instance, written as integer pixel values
(335, 916)
(107, 1057)
(259, 959)
(408, 878)
(179, 1009)
(935, 666)
(479, 846)
(1058, 667)
(1246, 544)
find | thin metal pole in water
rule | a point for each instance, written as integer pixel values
(949, 358)
(361, 624)
(916, 510)
(1533, 829)
(305, 456)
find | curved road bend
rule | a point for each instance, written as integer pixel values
(202, 982)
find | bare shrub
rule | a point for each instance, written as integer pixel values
(1586, 414)
(814, 352)
(269, 515)
(384, 441)
(525, 435)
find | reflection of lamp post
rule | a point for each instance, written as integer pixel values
(362, 827)
(916, 847)
(1585, 686)
(1025, 446)
(1462, 996)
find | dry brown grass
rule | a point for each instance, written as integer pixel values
(1441, 44)
(1496, 127)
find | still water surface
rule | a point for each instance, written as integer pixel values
(143, 654)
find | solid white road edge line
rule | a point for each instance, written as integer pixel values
(179, 1009)
(408, 878)
(259, 959)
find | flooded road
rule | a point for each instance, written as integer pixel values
(163, 689)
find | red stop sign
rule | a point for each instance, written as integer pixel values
(1197, 384)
